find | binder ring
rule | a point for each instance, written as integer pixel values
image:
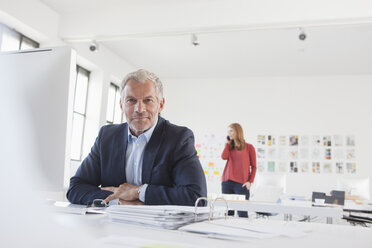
(227, 206)
(196, 208)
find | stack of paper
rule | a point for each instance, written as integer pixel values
(164, 216)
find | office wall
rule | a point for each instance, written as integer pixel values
(283, 106)
(105, 65)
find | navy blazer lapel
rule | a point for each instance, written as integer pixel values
(151, 150)
(123, 143)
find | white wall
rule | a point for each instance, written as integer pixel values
(283, 106)
(43, 25)
(39, 22)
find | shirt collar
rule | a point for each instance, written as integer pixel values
(147, 134)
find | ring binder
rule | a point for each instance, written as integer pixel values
(211, 207)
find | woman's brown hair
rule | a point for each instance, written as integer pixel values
(238, 139)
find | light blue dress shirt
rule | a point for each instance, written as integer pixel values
(134, 159)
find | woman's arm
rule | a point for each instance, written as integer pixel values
(226, 152)
(253, 167)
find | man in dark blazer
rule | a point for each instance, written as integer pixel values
(147, 160)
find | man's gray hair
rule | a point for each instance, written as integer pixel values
(142, 76)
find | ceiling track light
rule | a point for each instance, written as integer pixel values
(94, 46)
(221, 29)
(302, 36)
(194, 40)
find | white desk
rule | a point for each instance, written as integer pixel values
(358, 207)
(106, 234)
(321, 211)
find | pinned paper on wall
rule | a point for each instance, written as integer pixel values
(283, 166)
(327, 141)
(327, 167)
(260, 153)
(271, 153)
(339, 168)
(283, 153)
(261, 139)
(271, 140)
(350, 140)
(315, 140)
(309, 153)
(293, 153)
(304, 167)
(350, 154)
(315, 154)
(271, 166)
(338, 153)
(316, 167)
(303, 140)
(209, 149)
(293, 167)
(260, 166)
(293, 140)
(327, 153)
(338, 140)
(351, 168)
(304, 153)
(283, 140)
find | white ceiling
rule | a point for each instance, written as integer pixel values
(265, 43)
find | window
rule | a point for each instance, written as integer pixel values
(79, 112)
(113, 114)
(27, 43)
(12, 40)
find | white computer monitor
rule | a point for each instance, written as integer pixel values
(277, 180)
(42, 80)
(268, 187)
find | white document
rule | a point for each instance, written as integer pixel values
(245, 229)
(66, 207)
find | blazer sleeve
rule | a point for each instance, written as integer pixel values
(84, 186)
(226, 152)
(188, 177)
(253, 167)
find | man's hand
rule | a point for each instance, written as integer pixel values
(112, 189)
(247, 185)
(126, 192)
(136, 202)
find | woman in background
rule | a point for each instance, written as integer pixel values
(240, 168)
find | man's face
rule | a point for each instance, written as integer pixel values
(141, 105)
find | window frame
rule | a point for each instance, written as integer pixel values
(116, 103)
(84, 71)
(20, 37)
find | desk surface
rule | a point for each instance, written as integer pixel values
(107, 234)
(366, 208)
(322, 211)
